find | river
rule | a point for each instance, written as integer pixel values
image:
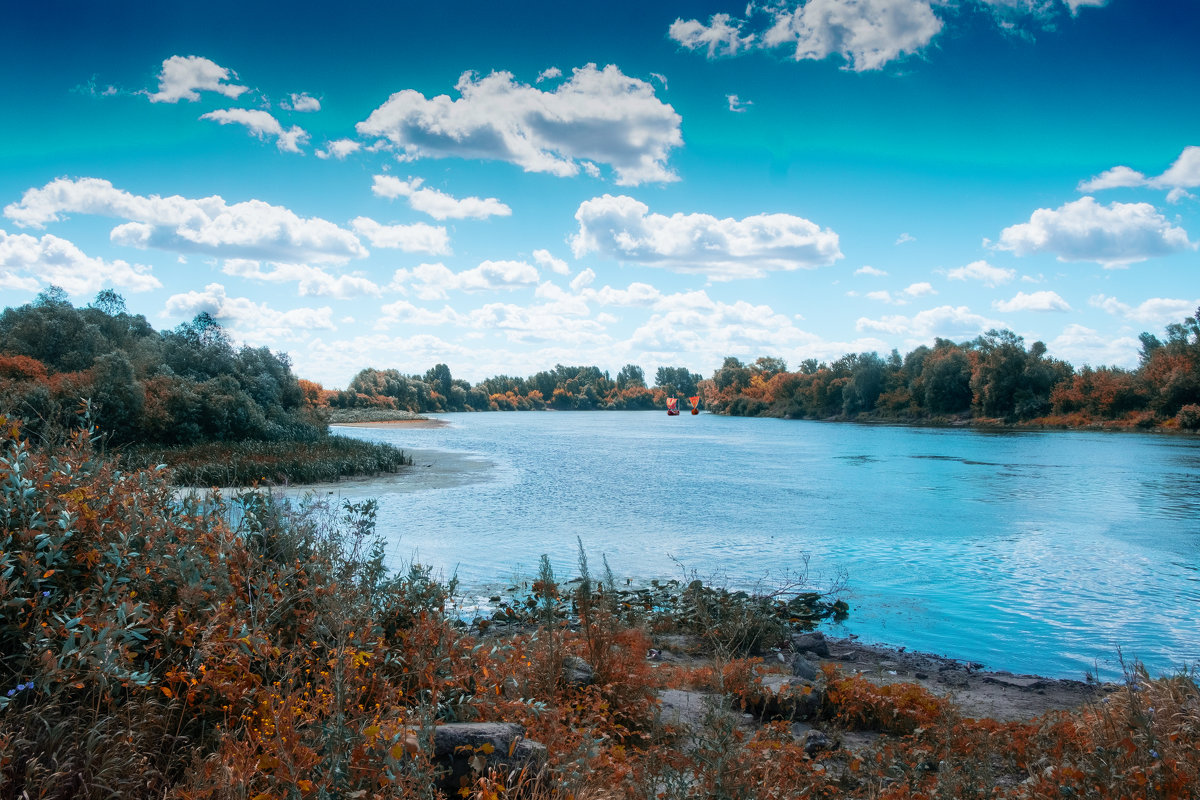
(1042, 552)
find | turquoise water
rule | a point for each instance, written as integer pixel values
(1037, 552)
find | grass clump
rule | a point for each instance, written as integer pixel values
(244, 463)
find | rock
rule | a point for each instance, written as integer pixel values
(815, 742)
(813, 642)
(803, 668)
(577, 673)
(464, 750)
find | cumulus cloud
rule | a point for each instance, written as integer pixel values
(404, 312)
(548, 261)
(303, 102)
(948, 322)
(867, 34)
(1115, 235)
(1183, 174)
(723, 249)
(1157, 311)
(1115, 178)
(339, 149)
(183, 77)
(549, 74)
(433, 281)
(598, 115)
(415, 238)
(722, 36)
(27, 263)
(309, 280)
(438, 205)
(252, 321)
(1034, 301)
(869, 270)
(905, 238)
(983, 272)
(1080, 345)
(251, 229)
(262, 125)
(922, 289)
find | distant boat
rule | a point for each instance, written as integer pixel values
(695, 401)
(672, 407)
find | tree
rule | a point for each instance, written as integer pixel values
(631, 375)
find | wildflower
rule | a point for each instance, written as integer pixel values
(1154, 753)
(10, 692)
(45, 594)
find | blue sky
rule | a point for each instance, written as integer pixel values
(503, 187)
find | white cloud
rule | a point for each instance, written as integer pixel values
(404, 312)
(948, 322)
(310, 280)
(662, 79)
(415, 238)
(548, 261)
(304, 102)
(983, 272)
(252, 321)
(438, 205)
(1115, 236)
(433, 281)
(1184, 173)
(1178, 194)
(549, 74)
(1115, 178)
(339, 149)
(867, 33)
(1034, 301)
(599, 115)
(1075, 5)
(1157, 311)
(723, 249)
(262, 125)
(635, 294)
(251, 229)
(182, 76)
(921, 289)
(583, 279)
(868, 270)
(27, 263)
(718, 37)
(736, 104)
(905, 238)
(1080, 345)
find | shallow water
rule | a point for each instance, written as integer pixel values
(1037, 552)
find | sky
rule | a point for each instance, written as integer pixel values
(502, 187)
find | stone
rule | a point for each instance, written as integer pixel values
(578, 673)
(803, 668)
(814, 742)
(465, 750)
(813, 642)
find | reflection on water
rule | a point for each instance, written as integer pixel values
(1039, 552)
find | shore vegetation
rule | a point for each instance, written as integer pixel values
(153, 647)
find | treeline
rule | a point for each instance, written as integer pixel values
(178, 387)
(994, 377)
(563, 388)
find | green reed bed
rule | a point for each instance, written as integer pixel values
(247, 463)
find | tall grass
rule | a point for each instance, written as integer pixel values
(245, 463)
